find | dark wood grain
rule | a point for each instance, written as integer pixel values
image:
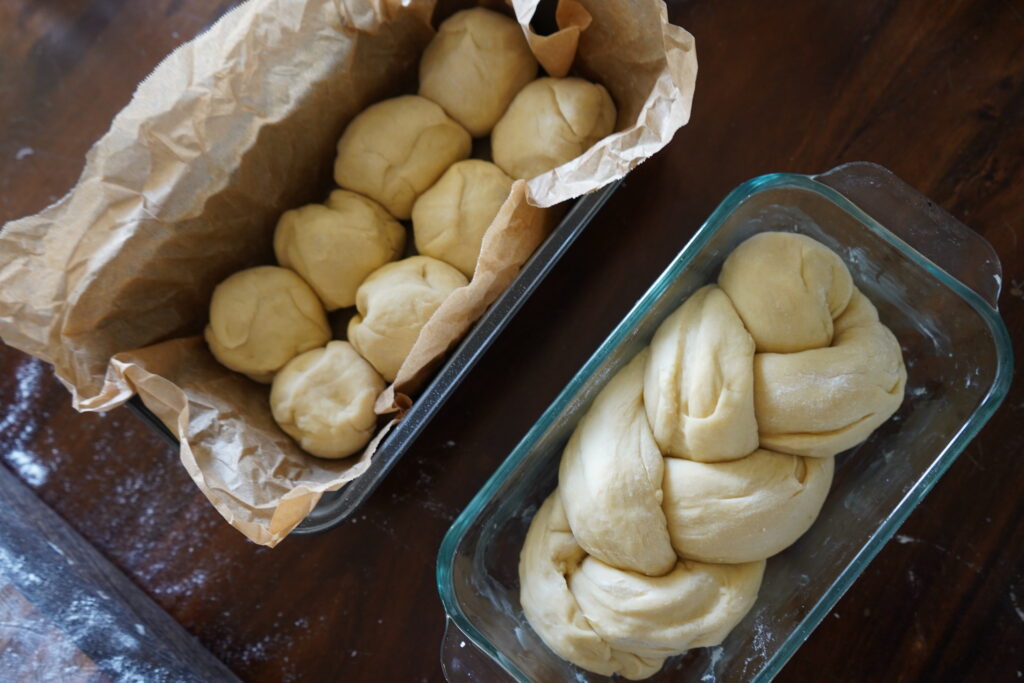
(71, 612)
(933, 91)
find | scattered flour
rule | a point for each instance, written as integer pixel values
(1016, 605)
(709, 673)
(33, 472)
(762, 638)
(17, 426)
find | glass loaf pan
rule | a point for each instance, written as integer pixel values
(935, 284)
(337, 506)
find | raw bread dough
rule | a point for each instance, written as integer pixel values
(324, 400)
(610, 621)
(334, 247)
(394, 304)
(474, 66)
(694, 605)
(822, 401)
(699, 388)
(263, 317)
(610, 479)
(396, 149)
(827, 372)
(743, 510)
(449, 220)
(788, 289)
(551, 121)
(656, 538)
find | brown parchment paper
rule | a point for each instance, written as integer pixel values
(112, 283)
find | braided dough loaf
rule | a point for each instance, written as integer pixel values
(706, 454)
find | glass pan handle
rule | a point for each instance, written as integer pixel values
(921, 223)
(463, 661)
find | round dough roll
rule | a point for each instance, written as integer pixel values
(449, 220)
(263, 317)
(743, 510)
(474, 66)
(551, 121)
(394, 304)
(396, 149)
(788, 289)
(611, 621)
(610, 479)
(699, 388)
(823, 401)
(324, 400)
(335, 247)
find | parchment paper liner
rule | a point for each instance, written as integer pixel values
(111, 284)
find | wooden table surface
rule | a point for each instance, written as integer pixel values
(933, 91)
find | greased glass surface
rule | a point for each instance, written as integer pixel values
(959, 366)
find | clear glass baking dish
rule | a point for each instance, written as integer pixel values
(935, 283)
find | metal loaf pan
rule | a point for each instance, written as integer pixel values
(337, 506)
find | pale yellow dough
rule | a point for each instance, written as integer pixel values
(610, 479)
(334, 247)
(474, 66)
(827, 372)
(449, 220)
(394, 304)
(788, 289)
(823, 401)
(396, 149)
(324, 400)
(551, 121)
(263, 317)
(708, 453)
(699, 388)
(743, 510)
(634, 510)
(612, 621)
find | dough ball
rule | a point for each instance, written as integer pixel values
(822, 401)
(324, 400)
(334, 247)
(550, 122)
(612, 621)
(788, 289)
(474, 66)
(699, 384)
(394, 304)
(743, 510)
(449, 220)
(263, 317)
(396, 149)
(610, 479)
